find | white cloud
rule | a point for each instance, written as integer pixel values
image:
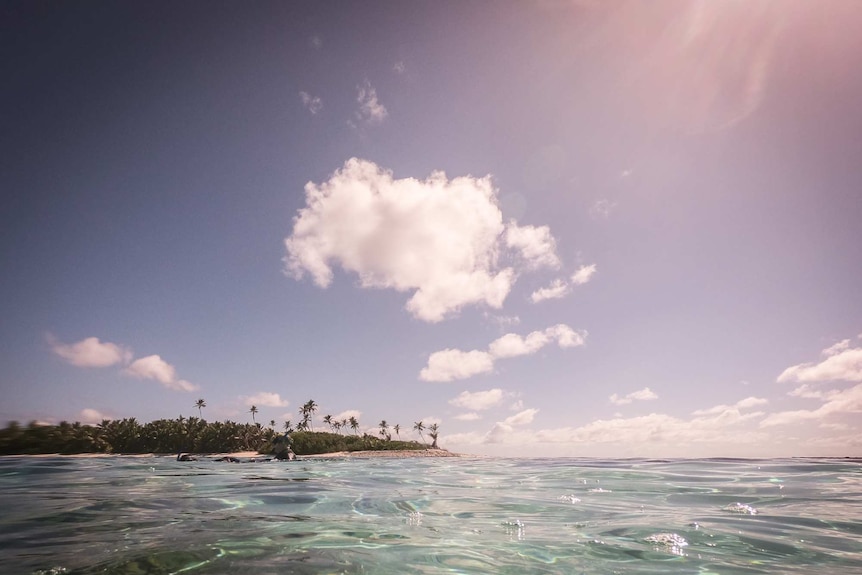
(556, 290)
(584, 274)
(266, 399)
(92, 416)
(154, 367)
(560, 288)
(479, 400)
(471, 416)
(535, 244)
(347, 414)
(513, 345)
(399, 67)
(835, 402)
(739, 405)
(805, 391)
(312, 103)
(602, 208)
(521, 418)
(371, 111)
(90, 352)
(842, 363)
(644, 394)
(439, 238)
(452, 364)
(504, 431)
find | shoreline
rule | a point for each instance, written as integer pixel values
(382, 454)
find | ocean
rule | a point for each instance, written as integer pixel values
(155, 515)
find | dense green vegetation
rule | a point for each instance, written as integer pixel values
(196, 435)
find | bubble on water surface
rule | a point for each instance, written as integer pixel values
(670, 542)
(741, 508)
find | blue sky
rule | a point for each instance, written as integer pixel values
(553, 228)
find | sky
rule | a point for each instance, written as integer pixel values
(554, 228)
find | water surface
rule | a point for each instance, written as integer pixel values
(154, 515)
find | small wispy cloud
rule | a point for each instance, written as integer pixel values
(399, 67)
(602, 208)
(370, 111)
(560, 288)
(644, 394)
(312, 103)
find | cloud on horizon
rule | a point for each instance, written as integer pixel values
(714, 426)
(441, 239)
(452, 364)
(841, 364)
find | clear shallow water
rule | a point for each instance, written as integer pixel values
(155, 515)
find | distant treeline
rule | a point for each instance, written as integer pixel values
(189, 435)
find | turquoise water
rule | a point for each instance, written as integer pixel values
(423, 515)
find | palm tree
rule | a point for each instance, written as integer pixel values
(253, 410)
(433, 431)
(397, 428)
(354, 425)
(310, 407)
(420, 427)
(288, 426)
(272, 423)
(200, 404)
(327, 419)
(383, 429)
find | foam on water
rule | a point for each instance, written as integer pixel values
(80, 516)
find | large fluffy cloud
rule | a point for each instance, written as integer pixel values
(451, 364)
(441, 239)
(91, 352)
(155, 368)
